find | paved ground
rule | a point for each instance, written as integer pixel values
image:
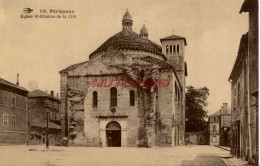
(85, 156)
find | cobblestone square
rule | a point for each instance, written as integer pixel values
(72, 156)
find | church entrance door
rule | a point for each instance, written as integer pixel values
(113, 133)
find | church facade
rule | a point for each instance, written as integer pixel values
(131, 92)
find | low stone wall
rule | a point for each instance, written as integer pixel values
(13, 137)
(195, 138)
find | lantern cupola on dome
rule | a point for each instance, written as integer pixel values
(144, 32)
(127, 21)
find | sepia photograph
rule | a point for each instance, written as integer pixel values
(129, 83)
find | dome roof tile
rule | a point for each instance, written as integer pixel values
(129, 40)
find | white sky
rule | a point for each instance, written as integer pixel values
(38, 48)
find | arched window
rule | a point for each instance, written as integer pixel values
(167, 49)
(95, 99)
(142, 74)
(113, 97)
(132, 98)
(170, 49)
(174, 48)
(178, 49)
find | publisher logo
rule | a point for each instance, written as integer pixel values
(27, 10)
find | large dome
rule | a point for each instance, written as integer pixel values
(129, 40)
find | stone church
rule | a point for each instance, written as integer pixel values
(131, 92)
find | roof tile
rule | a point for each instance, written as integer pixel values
(129, 40)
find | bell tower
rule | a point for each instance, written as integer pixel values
(173, 48)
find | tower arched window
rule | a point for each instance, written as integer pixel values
(178, 49)
(113, 97)
(170, 49)
(132, 98)
(95, 99)
(174, 48)
(167, 49)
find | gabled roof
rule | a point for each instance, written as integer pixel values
(51, 125)
(174, 37)
(249, 5)
(155, 61)
(216, 113)
(40, 93)
(72, 67)
(245, 6)
(5, 82)
(243, 48)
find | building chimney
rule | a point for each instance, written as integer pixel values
(57, 95)
(225, 108)
(17, 82)
(52, 93)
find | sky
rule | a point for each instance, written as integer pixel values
(38, 49)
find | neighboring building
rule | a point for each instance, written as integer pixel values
(225, 135)
(95, 105)
(239, 102)
(224, 125)
(251, 6)
(244, 86)
(13, 110)
(39, 104)
(214, 128)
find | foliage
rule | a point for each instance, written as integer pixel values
(196, 113)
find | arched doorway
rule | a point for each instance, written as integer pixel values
(113, 132)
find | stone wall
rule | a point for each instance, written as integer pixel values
(86, 117)
(178, 61)
(253, 76)
(239, 110)
(195, 138)
(166, 110)
(13, 133)
(37, 136)
(7, 138)
(151, 122)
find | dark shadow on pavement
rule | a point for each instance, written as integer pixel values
(205, 160)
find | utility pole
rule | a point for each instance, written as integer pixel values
(47, 132)
(47, 125)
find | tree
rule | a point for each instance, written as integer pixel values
(196, 103)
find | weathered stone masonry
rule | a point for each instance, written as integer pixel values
(154, 119)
